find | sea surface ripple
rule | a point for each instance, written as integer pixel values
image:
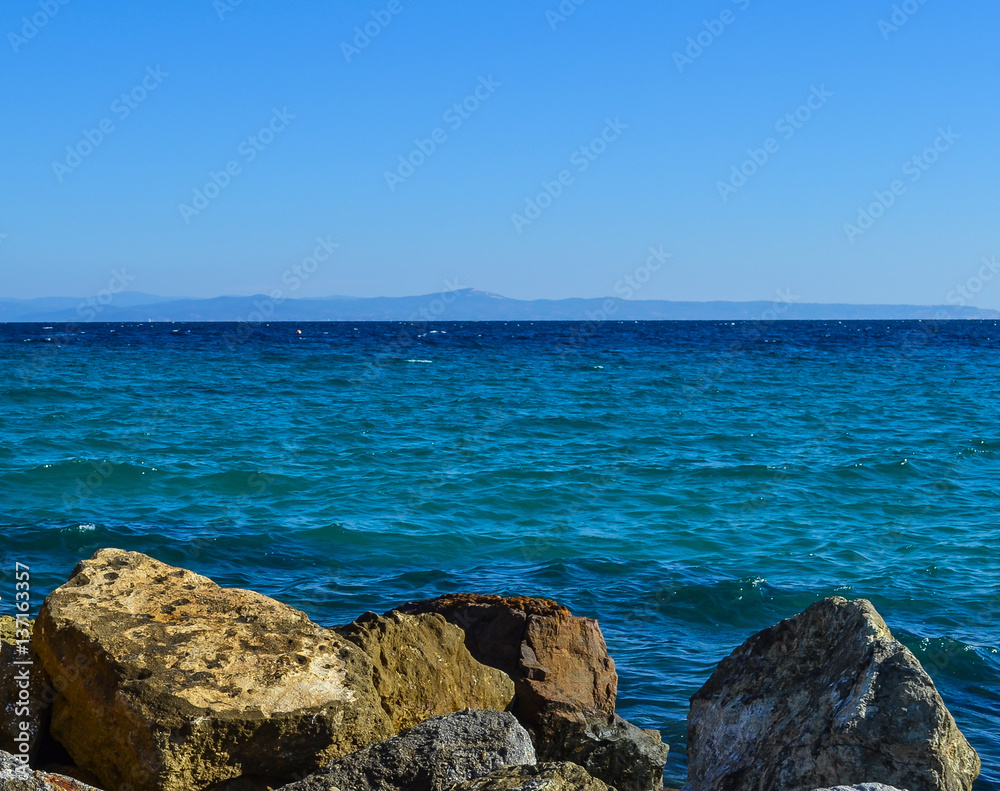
(686, 483)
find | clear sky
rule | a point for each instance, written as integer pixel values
(121, 118)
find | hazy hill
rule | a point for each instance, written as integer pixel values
(464, 305)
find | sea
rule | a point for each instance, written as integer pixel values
(685, 483)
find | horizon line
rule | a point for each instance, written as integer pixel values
(470, 290)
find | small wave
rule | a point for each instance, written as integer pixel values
(951, 657)
(40, 394)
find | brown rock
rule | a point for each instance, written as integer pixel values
(186, 685)
(422, 667)
(559, 663)
(826, 698)
(565, 683)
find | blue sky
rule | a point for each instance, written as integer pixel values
(312, 120)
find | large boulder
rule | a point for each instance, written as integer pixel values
(432, 756)
(25, 692)
(565, 683)
(543, 777)
(14, 776)
(822, 699)
(559, 663)
(185, 685)
(423, 669)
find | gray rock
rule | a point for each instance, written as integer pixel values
(543, 777)
(611, 749)
(822, 699)
(432, 756)
(15, 776)
(862, 787)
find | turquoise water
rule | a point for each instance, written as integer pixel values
(687, 484)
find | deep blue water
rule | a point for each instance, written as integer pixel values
(687, 484)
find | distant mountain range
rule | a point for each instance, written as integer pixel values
(462, 305)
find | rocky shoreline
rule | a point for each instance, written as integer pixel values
(140, 676)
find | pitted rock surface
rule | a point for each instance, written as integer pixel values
(183, 684)
(423, 669)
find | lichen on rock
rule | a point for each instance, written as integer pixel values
(828, 697)
(185, 685)
(423, 669)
